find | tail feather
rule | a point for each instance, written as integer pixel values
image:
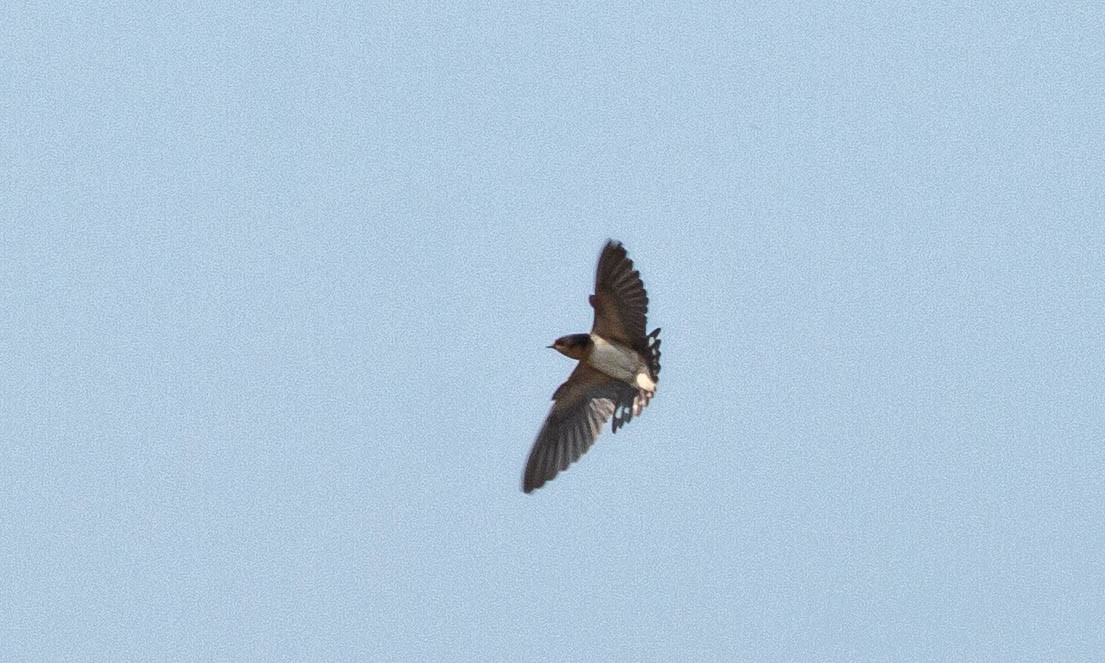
(624, 412)
(654, 354)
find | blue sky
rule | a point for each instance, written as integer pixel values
(277, 284)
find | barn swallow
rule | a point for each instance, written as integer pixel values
(619, 366)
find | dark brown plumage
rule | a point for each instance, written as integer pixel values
(618, 368)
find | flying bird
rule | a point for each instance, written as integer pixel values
(619, 366)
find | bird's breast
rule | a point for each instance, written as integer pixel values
(620, 363)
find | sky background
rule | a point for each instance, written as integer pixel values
(276, 284)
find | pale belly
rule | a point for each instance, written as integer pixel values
(621, 363)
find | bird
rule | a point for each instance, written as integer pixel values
(617, 373)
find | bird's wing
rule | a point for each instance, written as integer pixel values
(580, 408)
(620, 300)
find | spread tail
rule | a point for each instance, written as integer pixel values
(625, 412)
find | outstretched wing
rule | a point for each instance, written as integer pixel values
(581, 406)
(620, 300)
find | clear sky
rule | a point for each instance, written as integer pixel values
(276, 284)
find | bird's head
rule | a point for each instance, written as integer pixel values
(575, 346)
